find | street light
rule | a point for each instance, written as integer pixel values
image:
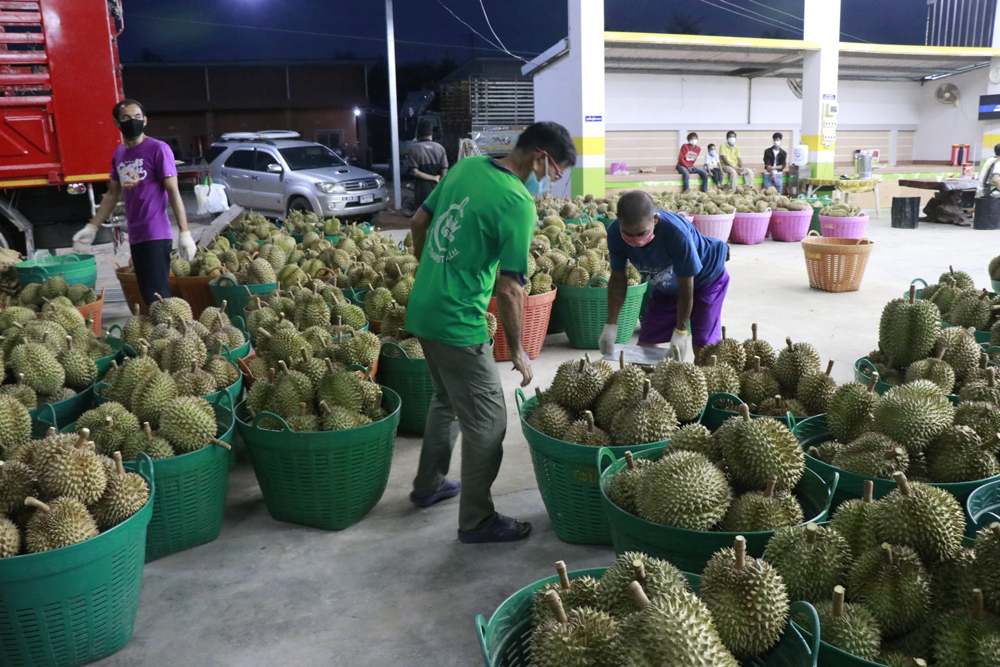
(357, 111)
(357, 134)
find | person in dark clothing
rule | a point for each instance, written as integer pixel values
(775, 160)
(427, 161)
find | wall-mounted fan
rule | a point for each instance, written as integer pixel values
(947, 93)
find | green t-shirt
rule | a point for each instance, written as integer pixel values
(481, 215)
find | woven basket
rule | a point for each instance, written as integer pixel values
(535, 324)
(716, 226)
(836, 265)
(130, 288)
(750, 228)
(790, 226)
(584, 310)
(844, 228)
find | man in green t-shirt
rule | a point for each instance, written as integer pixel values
(481, 216)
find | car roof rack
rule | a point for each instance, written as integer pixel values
(266, 135)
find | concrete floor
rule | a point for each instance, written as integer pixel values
(398, 589)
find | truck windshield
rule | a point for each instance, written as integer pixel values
(310, 157)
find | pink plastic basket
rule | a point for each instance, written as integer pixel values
(791, 226)
(844, 228)
(716, 226)
(750, 228)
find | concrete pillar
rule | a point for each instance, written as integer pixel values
(584, 116)
(991, 128)
(819, 83)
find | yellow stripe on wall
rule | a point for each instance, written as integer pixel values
(815, 143)
(589, 145)
(991, 140)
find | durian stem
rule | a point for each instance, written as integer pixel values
(838, 601)
(745, 411)
(51, 432)
(149, 431)
(940, 355)
(37, 504)
(829, 367)
(740, 545)
(639, 595)
(756, 364)
(872, 381)
(868, 491)
(753, 332)
(723, 333)
(769, 489)
(978, 611)
(630, 460)
(538, 394)
(887, 553)
(913, 293)
(991, 444)
(646, 387)
(555, 604)
(984, 361)
(83, 437)
(902, 483)
(713, 361)
(220, 443)
(325, 407)
(621, 359)
(639, 569)
(812, 531)
(895, 453)
(118, 464)
(788, 342)
(589, 416)
(583, 365)
(222, 307)
(563, 575)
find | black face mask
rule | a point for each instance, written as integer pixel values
(132, 127)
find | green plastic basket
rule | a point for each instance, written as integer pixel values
(191, 492)
(77, 604)
(410, 378)
(567, 479)
(996, 285)
(582, 312)
(356, 296)
(117, 354)
(53, 414)
(814, 431)
(235, 295)
(712, 417)
(75, 269)
(690, 550)
(505, 639)
(983, 506)
(327, 480)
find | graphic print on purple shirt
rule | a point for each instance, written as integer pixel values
(141, 170)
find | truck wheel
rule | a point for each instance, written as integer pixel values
(299, 204)
(11, 237)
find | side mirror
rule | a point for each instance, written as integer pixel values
(274, 168)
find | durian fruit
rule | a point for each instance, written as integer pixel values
(776, 406)
(793, 363)
(914, 414)
(754, 347)
(59, 523)
(872, 455)
(577, 384)
(73, 471)
(849, 414)
(961, 279)
(971, 309)
(849, 627)
(623, 486)
(187, 423)
(584, 432)
(361, 348)
(985, 391)
(969, 637)
(20, 391)
(757, 450)
(17, 482)
(758, 384)
(983, 418)
(657, 578)
(42, 372)
(987, 567)
(126, 494)
(908, 329)
(575, 594)
(625, 383)
(684, 490)
(826, 451)
(811, 559)
(109, 424)
(892, 583)
(696, 438)
(727, 351)
(815, 390)
(758, 511)
(194, 382)
(683, 386)
(144, 441)
(80, 369)
(747, 598)
(10, 538)
(645, 418)
(960, 455)
(855, 521)
(922, 517)
(676, 627)
(338, 418)
(959, 348)
(172, 312)
(720, 378)
(952, 580)
(151, 393)
(934, 369)
(549, 417)
(15, 423)
(304, 421)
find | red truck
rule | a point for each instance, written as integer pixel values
(59, 79)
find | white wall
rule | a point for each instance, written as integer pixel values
(941, 125)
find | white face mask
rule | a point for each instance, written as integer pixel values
(693, 142)
(776, 143)
(731, 141)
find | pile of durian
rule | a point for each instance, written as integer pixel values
(303, 222)
(642, 612)
(59, 491)
(581, 206)
(49, 359)
(170, 325)
(35, 296)
(770, 383)
(744, 200)
(962, 305)
(912, 590)
(841, 210)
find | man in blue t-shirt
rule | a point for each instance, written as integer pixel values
(686, 272)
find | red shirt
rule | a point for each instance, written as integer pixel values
(688, 156)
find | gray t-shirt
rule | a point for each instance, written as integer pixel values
(429, 157)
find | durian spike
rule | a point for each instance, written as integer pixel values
(589, 416)
(886, 553)
(913, 293)
(51, 432)
(978, 611)
(723, 333)
(868, 491)
(829, 367)
(117, 456)
(812, 531)
(753, 331)
(838, 601)
(630, 461)
(621, 358)
(639, 570)
(769, 489)
(555, 604)
(37, 504)
(148, 431)
(740, 546)
(902, 483)
(221, 443)
(744, 411)
(639, 595)
(872, 381)
(563, 575)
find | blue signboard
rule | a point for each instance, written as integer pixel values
(593, 119)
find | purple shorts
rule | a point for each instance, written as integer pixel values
(660, 320)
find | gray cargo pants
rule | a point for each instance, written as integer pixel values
(468, 395)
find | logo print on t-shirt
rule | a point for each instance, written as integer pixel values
(444, 230)
(130, 174)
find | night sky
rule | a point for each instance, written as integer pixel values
(260, 30)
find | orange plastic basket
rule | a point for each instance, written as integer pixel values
(836, 265)
(130, 288)
(195, 290)
(537, 309)
(93, 311)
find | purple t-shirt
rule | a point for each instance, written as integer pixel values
(141, 170)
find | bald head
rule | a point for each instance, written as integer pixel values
(635, 212)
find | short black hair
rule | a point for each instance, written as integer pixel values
(552, 138)
(996, 150)
(425, 129)
(709, 147)
(777, 135)
(128, 101)
(692, 135)
(634, 207)
(730, 133)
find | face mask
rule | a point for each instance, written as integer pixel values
(731, 141)
(777, 143)
(693, 142)
(538, 188)
(713, 153)
(131, 128)
(640, 241)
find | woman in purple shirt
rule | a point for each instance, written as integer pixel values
(144, 175)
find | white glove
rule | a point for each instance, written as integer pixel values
(679, 344)
(186, 247)
(83, 239)
(608, 337)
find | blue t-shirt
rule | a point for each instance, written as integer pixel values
(677, 249)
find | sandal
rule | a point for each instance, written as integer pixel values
(449, 489)
(501, 529)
